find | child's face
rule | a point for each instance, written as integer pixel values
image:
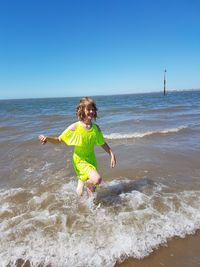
(89, 112)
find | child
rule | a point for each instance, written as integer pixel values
(83, 135)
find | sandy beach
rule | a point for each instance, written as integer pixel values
(178, 252)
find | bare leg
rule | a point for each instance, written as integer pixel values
(79, 188)
(93, 181)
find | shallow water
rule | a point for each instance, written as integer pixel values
(151, 197)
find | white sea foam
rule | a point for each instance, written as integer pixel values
(144, 134)
(74, 232)
(29, 170)
(5, 208)
(10, 192)
(46, 166)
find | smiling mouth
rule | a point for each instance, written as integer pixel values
(89, 117)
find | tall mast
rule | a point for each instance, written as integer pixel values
(165, 81)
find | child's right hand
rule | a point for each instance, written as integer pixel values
(42, 139)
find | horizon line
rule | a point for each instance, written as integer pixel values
(152, 92)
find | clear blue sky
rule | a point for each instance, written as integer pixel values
(93, 47)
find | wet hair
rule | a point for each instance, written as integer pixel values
(85, 102)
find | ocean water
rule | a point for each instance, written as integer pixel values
(151, 197)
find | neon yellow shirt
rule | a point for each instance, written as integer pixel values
(84, 159)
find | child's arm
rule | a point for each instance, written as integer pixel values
(54, 140)
(106, 147)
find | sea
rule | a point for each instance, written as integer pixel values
(146, 211)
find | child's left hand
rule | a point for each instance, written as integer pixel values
(113, 161)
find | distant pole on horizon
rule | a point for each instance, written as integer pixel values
(165, 82)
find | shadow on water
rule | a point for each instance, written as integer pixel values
(110, 195)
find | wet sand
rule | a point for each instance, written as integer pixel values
(179, 252)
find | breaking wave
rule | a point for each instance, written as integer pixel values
(129, 219)
(144, 134)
